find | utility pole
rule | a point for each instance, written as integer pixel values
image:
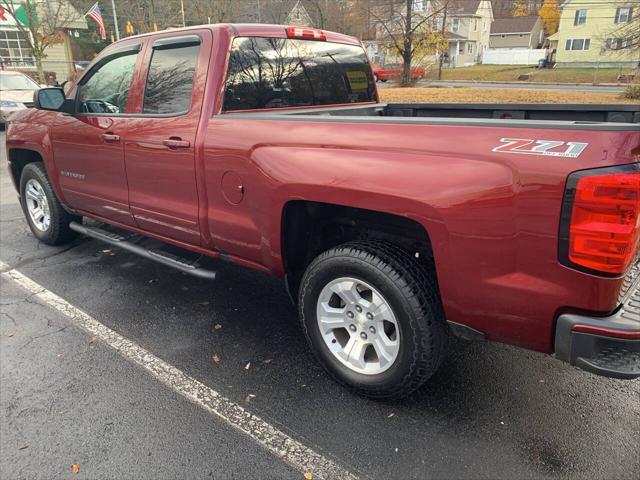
(182, 10)
(115, 18)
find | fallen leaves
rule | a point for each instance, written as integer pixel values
(249, 397)
(204, 303)
(22, 446)
(215, 358)
(107, 251)
(9, 334)
(267, 360)
(75, 468)
(492, 95)
(217, 326)
(392, 414)
(93, 340)
(247, 366)
(308, 475)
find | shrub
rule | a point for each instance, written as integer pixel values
(632, 92)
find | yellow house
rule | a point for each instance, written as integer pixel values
(589, 33)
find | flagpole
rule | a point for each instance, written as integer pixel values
(115, 19)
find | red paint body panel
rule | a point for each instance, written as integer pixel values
(492, 218)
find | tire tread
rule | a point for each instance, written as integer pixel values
(419, 287)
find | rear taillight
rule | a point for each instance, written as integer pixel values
(601, 220)
(307, 33)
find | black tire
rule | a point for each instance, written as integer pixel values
(412, 293)
(58, 231)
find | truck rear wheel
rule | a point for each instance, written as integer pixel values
(373, 318)
(47, 219)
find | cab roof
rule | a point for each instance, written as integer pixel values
(251, 30)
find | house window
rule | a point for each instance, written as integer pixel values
(14, 49)
(418, 5)
(578, 44)
(475, 25)
(623, 14)
(469, 48)
(581, 17)
(613, 43)
(455, 25)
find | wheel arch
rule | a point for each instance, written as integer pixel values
(18, 159)
(310, 227)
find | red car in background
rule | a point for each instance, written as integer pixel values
(387, 72)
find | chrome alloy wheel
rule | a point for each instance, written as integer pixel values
(37, 205)
(358, 325)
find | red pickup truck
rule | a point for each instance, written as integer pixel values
(394, 226)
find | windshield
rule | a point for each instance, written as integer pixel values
(277, 72)
(17, 82)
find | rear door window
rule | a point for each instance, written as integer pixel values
(277, 72)
(170, 79)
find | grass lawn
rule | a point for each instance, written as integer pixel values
(490, 95)
(510, 73)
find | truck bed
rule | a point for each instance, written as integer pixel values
(583, 116)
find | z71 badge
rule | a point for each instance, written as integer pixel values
(550, 148)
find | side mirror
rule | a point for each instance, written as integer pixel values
(49, 98)
(52, 98)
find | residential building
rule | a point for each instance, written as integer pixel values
(468, 30)
(14, 43)
(587, 34)
(517, 32)
(285, 12)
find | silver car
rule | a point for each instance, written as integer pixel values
(16, 93)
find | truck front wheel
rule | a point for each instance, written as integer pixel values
(47, 219)
(373, 318)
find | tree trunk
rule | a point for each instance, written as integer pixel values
(40, 70)
(407, 46)
(444, 33)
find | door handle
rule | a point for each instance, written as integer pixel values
(110, 137)
(175, 142)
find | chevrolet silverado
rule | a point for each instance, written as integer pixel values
(394, 226)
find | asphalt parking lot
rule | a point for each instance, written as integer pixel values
(70, 399)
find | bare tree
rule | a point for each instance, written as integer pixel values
(43, 23)
(212, 11)
(410, 33)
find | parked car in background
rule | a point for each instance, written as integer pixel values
(388, 72)
(16, 93)
(81, 65)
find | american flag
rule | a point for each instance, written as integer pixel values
(94, 12)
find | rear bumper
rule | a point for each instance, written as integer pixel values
(608, 346)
